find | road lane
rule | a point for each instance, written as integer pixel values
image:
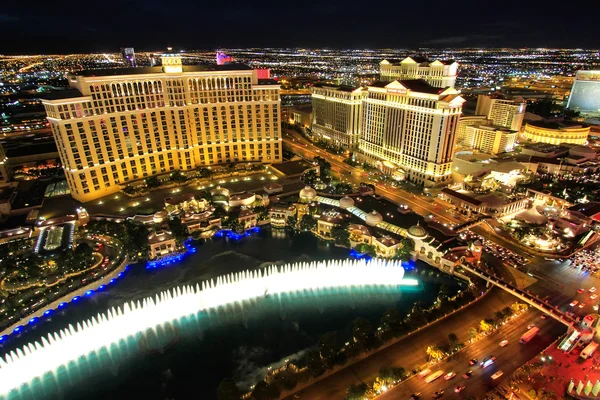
(409, 352)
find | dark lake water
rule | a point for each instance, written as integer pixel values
(188, 359)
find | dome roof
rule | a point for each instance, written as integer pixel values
(308, 194)
(417, 231)
(373, 218)
(219, 191)
(346, 202)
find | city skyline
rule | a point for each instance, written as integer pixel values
(239, 24)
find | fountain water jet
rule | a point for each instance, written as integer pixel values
(121, 324)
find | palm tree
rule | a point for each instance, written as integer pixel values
(453, 340)
(473, 333)
(434, 353)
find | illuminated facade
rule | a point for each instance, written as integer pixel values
(465, 122)
(410, 127)
(437, 73)
(490, 139)
(556, 132)
(506, 113)
(585, 94)
(120, 125)
(336, 114)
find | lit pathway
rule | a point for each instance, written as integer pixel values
(363, 215)
(68, 297)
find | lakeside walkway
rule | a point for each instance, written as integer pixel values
(68, 297)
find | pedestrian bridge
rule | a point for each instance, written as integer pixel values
(541, 305)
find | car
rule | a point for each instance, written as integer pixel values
(487, 362)
(497, 375)
(472, 361)
(503, 343)
(424, 373)
(438, 393)
(581, 305)
(594, 297)
(574, 303)
(449, 375)
(580, 290)
(530, 326)
(415, 396)
(468, 374)
(459, 388)
(592, 289)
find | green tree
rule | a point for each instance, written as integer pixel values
(177, 176)
(341, 236)
(444, 291)
(365, 248)
(265, 391)
(314, 363)
(507, 312)
(404, 250)
(329, 348)
(486, 325)
(357, 392)
(362, 331)
(292, 221)
(453, 340)
(228, 390)
(392, 374)
(434, 353)
(178, 229)
(307, 223)
(392, 320)
(473, 333)
(499, 317)
(152, 182)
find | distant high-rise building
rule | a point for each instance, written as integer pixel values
(152, 59)
(120, 125)
(439, 74)
(336, 114)
(409, 127)
(490, 139)
(128, 55)
(585, 94)
(502, 112)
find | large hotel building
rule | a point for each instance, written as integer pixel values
(437, 73)
(410, 126)
(120, 125)
(336, 114)
(502, 112)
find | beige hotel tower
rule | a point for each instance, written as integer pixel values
(115, 126)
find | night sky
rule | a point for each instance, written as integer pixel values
(105, 26)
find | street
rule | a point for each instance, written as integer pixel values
(410, 353)
(508, 359)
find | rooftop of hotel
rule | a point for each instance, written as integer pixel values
(341, 88)
(159, 237)
(545, 147)
(159, 70)
(558, 124)
(587, 209)
(423, 61)
(415, 85)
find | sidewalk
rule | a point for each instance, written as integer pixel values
(115, 274)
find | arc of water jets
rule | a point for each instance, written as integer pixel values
(59, 348)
